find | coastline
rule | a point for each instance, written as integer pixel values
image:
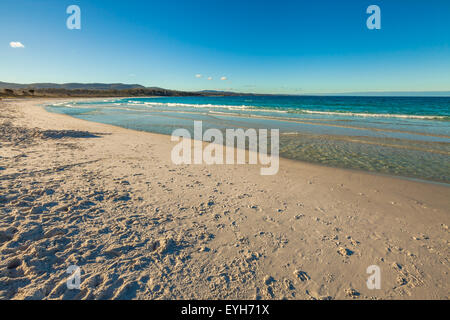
(141, 227)
(46, 101)
(414, 149)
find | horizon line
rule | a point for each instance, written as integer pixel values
(386, 93)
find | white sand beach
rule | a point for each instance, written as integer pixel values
(111, 201)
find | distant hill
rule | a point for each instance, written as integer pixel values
(40, 90)
(122, 89)
(97, 90)
(71, 86)
(51, 87)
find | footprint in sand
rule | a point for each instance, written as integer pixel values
(301, 275)
(345, 252)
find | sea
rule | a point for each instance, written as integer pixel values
(407, 137)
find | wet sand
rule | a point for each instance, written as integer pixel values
(110, 201)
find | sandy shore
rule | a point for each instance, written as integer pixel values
(110, 201)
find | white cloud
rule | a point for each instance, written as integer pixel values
(14, 44)
(224, 78)
(198, 76)
(210, 78)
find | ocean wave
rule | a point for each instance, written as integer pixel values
(190, 105)
(372, 115)
(248, 109)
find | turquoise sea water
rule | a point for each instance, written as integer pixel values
(404, 136)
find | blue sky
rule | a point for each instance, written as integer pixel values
(299, 47)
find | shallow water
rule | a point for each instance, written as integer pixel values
(407, 137)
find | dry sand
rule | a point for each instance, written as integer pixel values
(109, 200)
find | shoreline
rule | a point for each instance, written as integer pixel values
(355, 170)
(110, 201)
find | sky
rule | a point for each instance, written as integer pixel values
(289, 47)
